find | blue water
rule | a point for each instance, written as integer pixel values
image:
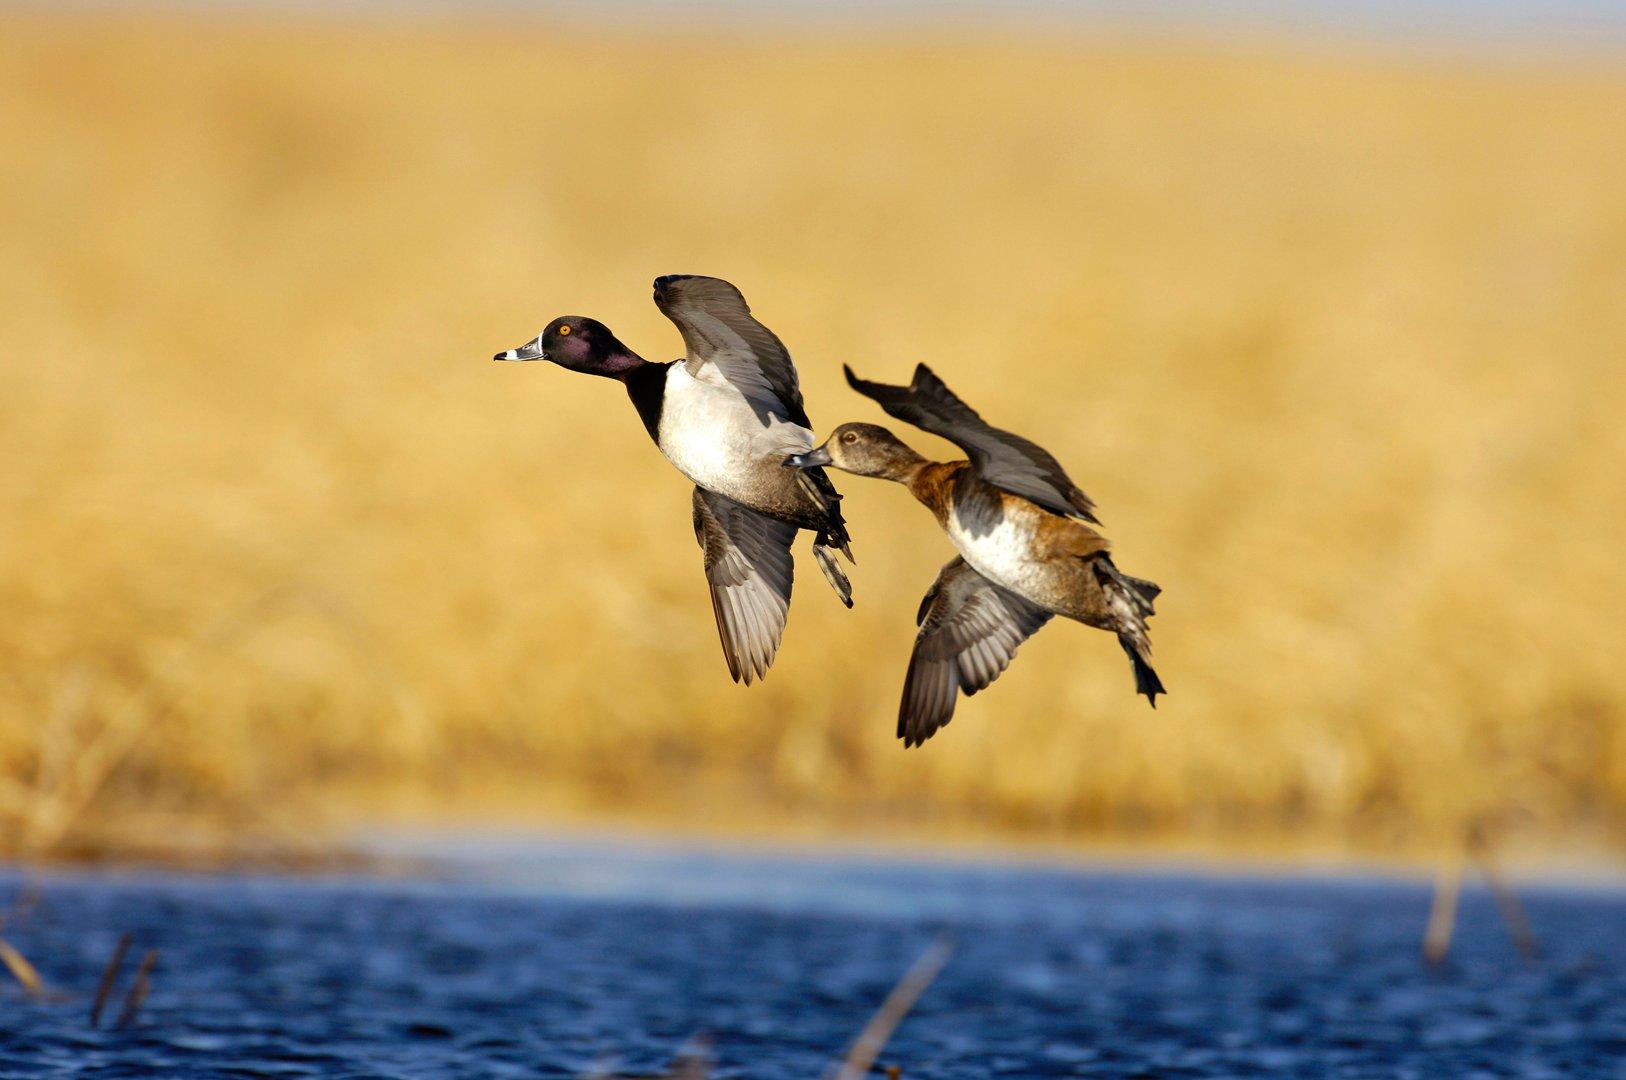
(551, 960)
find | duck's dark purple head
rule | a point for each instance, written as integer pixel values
(580, 344)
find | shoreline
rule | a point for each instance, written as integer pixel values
(426, 845)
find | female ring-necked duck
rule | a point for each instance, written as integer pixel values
(726, 416)
(1026, 553)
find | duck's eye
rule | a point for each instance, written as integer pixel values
(850, 437)
(564, 331)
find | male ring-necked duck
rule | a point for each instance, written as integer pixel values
(726, 416)
(1026, 553)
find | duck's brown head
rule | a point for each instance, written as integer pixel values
(861, 449)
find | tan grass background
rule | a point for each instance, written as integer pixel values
(1334, 339)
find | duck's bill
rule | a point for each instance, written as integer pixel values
(531, 350)
(813, 458)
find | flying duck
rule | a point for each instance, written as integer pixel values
(726, 415)
(1025, 550)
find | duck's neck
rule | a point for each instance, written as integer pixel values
(646, 386)
(619, 362)
(931, 482)
(905, 467)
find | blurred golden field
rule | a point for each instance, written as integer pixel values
(1333, 337)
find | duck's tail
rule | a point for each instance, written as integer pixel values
(832, 537)
(1138, 649)
(826, 556)
(1130, 600)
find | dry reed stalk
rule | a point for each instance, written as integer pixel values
(691, 1063)
(1507, 902)
(138, 990)
(110, 975)
(873, 1039)
(694, 1063)
(1442, 915)
(21, 970)
(1477, 849)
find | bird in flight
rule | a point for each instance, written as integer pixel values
(1026, 548)
(726, 415)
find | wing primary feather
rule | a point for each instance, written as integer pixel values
(1003, 459)
(750, 572)
(970, 630)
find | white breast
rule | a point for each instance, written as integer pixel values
(713, 435)
(1003, 554)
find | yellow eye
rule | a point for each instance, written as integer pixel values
(564, 331)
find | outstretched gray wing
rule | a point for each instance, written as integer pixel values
(749, 570)
(718, 328)
(970, 630)
(1004, 460)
